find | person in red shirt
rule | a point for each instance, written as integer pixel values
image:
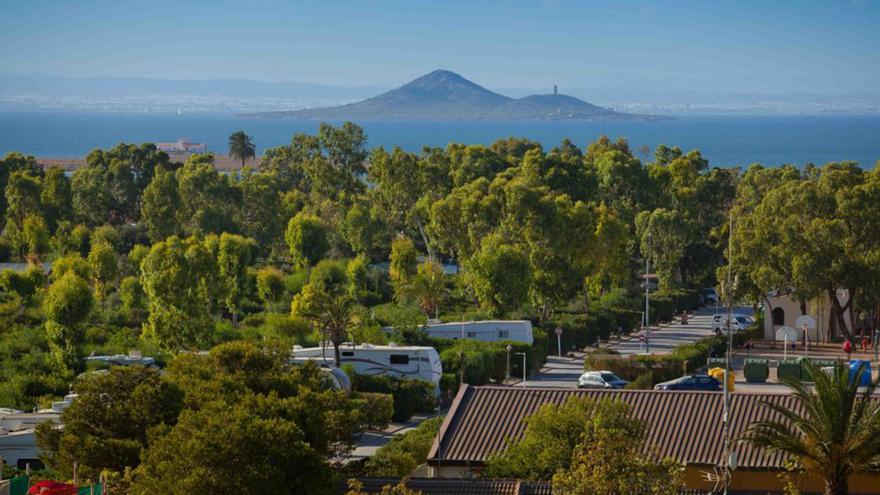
(847, 348)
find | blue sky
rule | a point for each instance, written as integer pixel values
(742, 46)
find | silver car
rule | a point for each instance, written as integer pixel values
(601, 379)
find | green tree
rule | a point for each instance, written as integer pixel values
(664, 239)
(131, 294)
(208, 199)
(428, 287)
(56, 197)
(106, 427)
(104, 264)
(832, 430)
(11, 163)
(91, 197)
(201, 452)
(404, 261)
(71, 263)
(500, 276)
(306, 236)
(172, 276)
(35, 235)
(326, 303)
(261, 215)
(161, 206)
(67, 303)
(234, 255)
(609, 459)
(240, 147)
(270, 285)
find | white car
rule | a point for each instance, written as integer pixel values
(738, 324)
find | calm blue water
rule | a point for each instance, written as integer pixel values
(724, 140)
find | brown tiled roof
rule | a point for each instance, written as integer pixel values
(431, 486)
(685, 426)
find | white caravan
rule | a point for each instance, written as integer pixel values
(487, 331)
(18, 442)
(389, 360)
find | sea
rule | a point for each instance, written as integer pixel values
(725, 140)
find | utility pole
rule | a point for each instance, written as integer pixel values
(728, 455)
(647, 296)
(507, 376)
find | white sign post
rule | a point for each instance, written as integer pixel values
(785, 334)
(559, 341)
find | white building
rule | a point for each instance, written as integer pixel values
(183, 145)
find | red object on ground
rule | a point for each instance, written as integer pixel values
(847, 346)
(52, 488)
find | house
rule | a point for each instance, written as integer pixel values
(782, 310)
(685, 426)
(183, 145)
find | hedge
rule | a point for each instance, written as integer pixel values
(378, 409)
(411, 396)
(661, 367)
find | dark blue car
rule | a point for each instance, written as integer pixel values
(692, 382)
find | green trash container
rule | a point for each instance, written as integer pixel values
(716, 362)
(818, 363)
(788, 370)
(756, 370)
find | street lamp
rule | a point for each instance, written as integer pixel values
(507, 376)
(524, 367)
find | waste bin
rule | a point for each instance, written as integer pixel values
(718, 374)
(788, 370)
(756, 370)
(866, 376)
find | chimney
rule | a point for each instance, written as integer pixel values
(554, 90)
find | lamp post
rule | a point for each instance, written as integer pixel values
(559, 341)
(507, 375)
(524, 367)
(647, 296)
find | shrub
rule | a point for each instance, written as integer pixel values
(5, 249)
(377, 408)
(644, 381)
(399, 457)
(410, 396)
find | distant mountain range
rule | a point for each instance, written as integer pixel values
(445, 95)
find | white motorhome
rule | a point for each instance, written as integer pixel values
(487, 331)
(18, 443)
(391, 360)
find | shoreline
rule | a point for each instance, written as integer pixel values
(221, 162)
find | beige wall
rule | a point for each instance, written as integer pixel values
(819, 308)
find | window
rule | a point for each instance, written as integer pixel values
(347, 353)
(471, 335)
(399, 359)
(503, 334)
(778, 316)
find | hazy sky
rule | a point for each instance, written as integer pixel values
(742, 46)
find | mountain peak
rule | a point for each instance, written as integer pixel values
(445, 95)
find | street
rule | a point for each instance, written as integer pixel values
(564, 372)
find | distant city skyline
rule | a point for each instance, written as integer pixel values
(674, 45)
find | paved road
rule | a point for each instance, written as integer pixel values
(564, 371)
(371, 440)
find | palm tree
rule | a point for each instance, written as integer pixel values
(332, 315)
(241, 147)
(833, 431)
(428, 287)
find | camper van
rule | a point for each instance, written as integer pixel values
(487, 331)
(391, 360)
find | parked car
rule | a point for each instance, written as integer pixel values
(738, 324)
(709, 296)
(601, 379)
(691, 382)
